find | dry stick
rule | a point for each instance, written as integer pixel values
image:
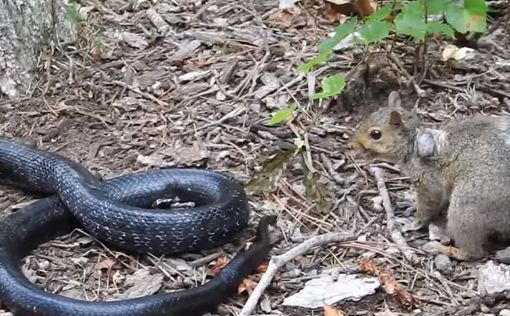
(419, 91)
(143, 94)
(277, 262)
(395, 234)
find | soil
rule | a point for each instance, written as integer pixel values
(195, 91)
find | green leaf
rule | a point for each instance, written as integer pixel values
(440, 28)
(374, 31)
(436, 6)
(317, 60)
(282, 115)
(326, 47)
(381, 14)
(411, 21)
(470, 17)
(331, 86)
(73, 12)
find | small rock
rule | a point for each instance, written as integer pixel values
(377, 203)
(265, 304)
(504, 312)
(43, 264)
(443, 263)
(493, 278)
(431, 247)
(503, 255)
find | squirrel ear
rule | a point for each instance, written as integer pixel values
(394, 100)
(395, 119)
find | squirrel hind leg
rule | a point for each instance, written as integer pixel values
(469, 233)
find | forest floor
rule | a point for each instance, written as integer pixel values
(195, 91)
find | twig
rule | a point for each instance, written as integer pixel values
(234, 113)
(395, 234)
(442, 85)
(419, 91)
(277, 262)
(143, 94)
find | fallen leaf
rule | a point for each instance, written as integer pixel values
(143, 283)
(333, 16)
(247, 285)
(218, 265)
(262, 268)
(454, 52)
(284, 17)
(406, 300)
(365, 7)
(361, 8)
(330, 311)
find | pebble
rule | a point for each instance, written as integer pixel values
(431, 247)
(443, 263)
(504, 312)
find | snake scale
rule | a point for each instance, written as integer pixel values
(120, 213)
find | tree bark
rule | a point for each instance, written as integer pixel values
(26, 26)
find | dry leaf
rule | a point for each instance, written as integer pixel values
(331, 311)
(247, 285)
(336, 9)
(454, 52)
(333, 16)
(262, 268)
(218, 265)
(284, 17)
(365, 7)
(400, 294)
(142, 283)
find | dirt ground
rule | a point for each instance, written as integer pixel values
(195, 91)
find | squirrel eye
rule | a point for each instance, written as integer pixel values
(375, 134)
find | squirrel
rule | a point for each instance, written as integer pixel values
(461, 169)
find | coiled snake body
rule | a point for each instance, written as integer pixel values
(117, 211)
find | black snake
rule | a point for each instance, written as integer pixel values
(118, 212)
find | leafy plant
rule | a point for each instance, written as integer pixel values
(412, 19)
(73, 13)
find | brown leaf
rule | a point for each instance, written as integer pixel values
(342, 8)
(333, 16)
(218, 265)
(345, 8)
(284, 17)
(331, 311)
(365, 7)
(247, 285)
(262, 268)
(391, 286)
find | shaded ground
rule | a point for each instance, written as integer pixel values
(193, 92)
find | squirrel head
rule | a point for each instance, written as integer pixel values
(387, 134)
